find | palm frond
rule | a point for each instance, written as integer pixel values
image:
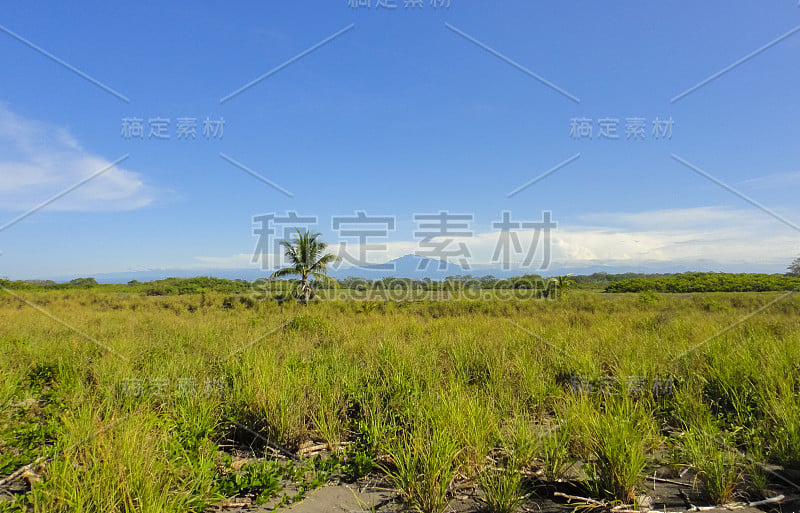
(323, 278)
(322, 263)
(286, 271)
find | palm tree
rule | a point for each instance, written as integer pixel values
(307, 257)
(561, 284)
(564, 282)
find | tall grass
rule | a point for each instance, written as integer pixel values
(127, 463)
(718, 465)
(617, 437)
(502, 488)
(430, 388)
(424, 463)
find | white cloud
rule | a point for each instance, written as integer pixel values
(693, 237)
(237, 261)
(39, 160)
(722, 236)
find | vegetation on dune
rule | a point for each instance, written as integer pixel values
(463, 285)
(709, 282)
(607, 384)
(181, 286)
(165, 287)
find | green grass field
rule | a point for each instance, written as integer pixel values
(132, 403)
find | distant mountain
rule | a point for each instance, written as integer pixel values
(408, 266)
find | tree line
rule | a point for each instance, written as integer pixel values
(612, 283)
(709, 282)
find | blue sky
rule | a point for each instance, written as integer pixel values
(402, 113)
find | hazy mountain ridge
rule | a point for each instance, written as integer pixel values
(408, 266)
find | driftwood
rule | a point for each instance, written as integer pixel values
(669, 481)
(232, 504)
(736, 505)
(313, 448)
(522, 472)
(732, 505)
(593, 503)
(313, 454)
(771, 500)
(20, 471)
(581, 499)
